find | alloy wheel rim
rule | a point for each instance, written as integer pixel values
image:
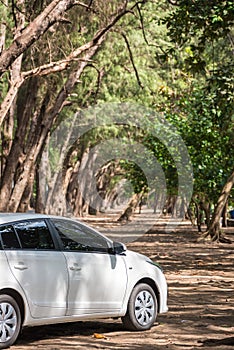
(8, 322)
(144, 308)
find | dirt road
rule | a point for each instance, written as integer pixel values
(201, 301)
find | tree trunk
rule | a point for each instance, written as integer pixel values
(40, 191)
(104, 189)
(84, 184)
(131, 207)
(55, 198)
(158, 202)
(224, 215)
(214, 231)
(198, 216)
(27, 197)
(18, 169)
(6, 140)
(10, 198)
(3, 26)
(191, 214)
(207, 210)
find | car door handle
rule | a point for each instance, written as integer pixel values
(75, 267)
(20, 266)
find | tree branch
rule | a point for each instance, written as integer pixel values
(8, 100)
(100, 74)
(51, 14)
(2, 2)
(88, 7)
(13, 12)
(144, 34)
(132, 60)
(54, 67)
(90, 4)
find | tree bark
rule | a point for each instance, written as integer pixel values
(21, 147)
(214, 231)
(27, 197)
(41, 183)
(224, 215)
(56, 188)
(15, 70)
(207, 210)
(3, 26)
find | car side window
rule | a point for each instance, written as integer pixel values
(9, 238)
(34, 235)
(78, 237)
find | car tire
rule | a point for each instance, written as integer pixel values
(10, 321)
(142, 308)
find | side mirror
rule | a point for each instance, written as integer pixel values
(119, 248)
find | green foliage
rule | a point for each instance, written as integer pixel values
(178, 60)
(202, 36)
(200, 24)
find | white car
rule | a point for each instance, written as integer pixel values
(54, 269)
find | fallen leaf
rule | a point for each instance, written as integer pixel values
(99, 336)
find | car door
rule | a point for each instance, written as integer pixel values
(97, 279)
(39, 268)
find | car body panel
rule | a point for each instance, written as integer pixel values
(46, 291)
(98, 282)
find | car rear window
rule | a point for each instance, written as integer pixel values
(8, 238)
(26, 235)
(34, 235)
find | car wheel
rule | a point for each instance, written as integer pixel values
(10, 321)
(142, 308)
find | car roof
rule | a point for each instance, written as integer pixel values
(11, 217)
(7, 218)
